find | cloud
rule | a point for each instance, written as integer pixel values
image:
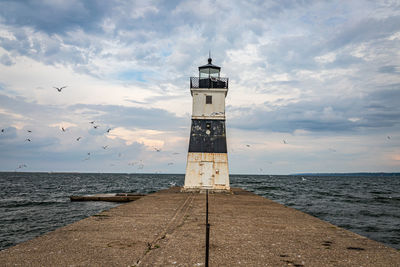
(6, 60)
(54, 16)
(137, 117)
(365, 30)
(134, 133)
(296, 68)
(390, 69)
(149, 138)
(377, 110)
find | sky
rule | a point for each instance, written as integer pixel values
(314, 86)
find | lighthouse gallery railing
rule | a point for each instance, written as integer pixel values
(196, 82)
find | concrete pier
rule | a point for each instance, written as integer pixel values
(167, 228)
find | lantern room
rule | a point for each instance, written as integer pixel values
(209, 70)
(209, 77)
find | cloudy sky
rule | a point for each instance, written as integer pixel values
(314, 85)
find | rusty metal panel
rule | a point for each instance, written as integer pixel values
(220, 157)
(221, 176)
(207, 170)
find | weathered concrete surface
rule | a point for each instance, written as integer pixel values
(168, 229)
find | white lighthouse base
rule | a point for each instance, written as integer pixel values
(207, 171)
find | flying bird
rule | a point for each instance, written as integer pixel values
(2, 130)
(79, 138)
(157, 149)
(388, 137)
(27, 139)
(95, 126)
(29, 131)
(92, 122)
(88, 156)
(284, 141)
(248, 145)
(104, 147)
(109, 129)
(63, 129)
(59, 89)
(21, 166)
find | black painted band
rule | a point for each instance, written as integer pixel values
(207, 136)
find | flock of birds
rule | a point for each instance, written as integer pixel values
(140, 164)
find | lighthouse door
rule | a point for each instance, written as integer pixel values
(206, 173)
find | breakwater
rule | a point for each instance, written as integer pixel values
(35, 203)
(167, 228)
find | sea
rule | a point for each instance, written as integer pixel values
(32, 204)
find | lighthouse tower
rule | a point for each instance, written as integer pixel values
(207, 161)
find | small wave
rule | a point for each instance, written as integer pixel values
(267, 188)
(378, 192)
(254, 182)
(378, 214)
(324, 193)
(387, 200)
(19, 204)
(370, 229)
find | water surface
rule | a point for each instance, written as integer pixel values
(32, 204)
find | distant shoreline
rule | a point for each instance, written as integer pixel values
(233, 174)
(350, 174)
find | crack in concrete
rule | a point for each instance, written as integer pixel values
(176, 221)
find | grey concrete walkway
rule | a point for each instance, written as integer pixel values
(168, 229)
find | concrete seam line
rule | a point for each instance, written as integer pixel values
(179, 214)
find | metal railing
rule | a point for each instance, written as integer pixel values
(196, 82)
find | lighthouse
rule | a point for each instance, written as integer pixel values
(207, 160)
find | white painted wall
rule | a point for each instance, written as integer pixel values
(201, 109)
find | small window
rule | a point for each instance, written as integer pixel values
(208, 99)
